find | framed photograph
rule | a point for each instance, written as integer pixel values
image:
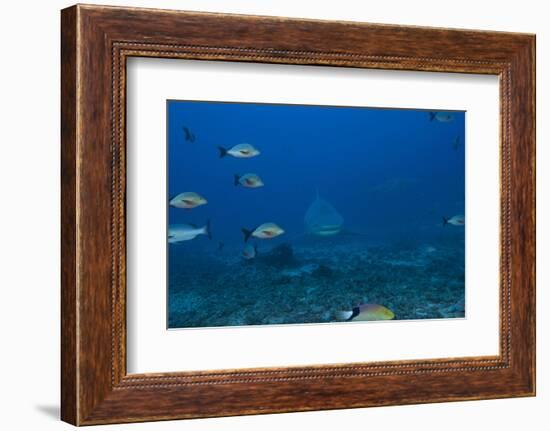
(266, 215)
(381, 240)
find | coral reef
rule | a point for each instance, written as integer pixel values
(311, 282)
(279, 256)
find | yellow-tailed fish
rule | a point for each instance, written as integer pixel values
(366, 312)
(264, 231)
(251, 181)
(187, 200)
(241, 151)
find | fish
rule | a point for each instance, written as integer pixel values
(457, 220)
(442, 117)
(187, 200)
(251, 181)
(189, 136)
(365, 312)
(456, 143)
(322, 219)
(185, 232)
(429, 249)
(241, 151)
(250, 251)
(264, 231)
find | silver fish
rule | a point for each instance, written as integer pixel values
(241, 151)
(187, 200)
(186, 232)
(251, 181)
(457, 220)
(264, 231)
(250, 251)
(442, 117)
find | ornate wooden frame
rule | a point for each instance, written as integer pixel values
(95, 42)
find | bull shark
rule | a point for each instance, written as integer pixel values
(322, 219)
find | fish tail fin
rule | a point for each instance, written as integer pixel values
(207, 230)
(236, 179)
(445, 220)
(223, 152)
(432, 116)
(344, 315)
(256, 249)
(246, 233)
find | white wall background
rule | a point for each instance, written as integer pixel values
(29, 214)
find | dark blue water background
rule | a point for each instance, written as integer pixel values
(391, 173)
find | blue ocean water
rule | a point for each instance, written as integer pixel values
(393, 175)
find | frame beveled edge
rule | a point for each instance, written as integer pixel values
(96, 41)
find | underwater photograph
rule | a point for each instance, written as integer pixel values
(304, 214)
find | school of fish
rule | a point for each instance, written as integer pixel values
(321, 219)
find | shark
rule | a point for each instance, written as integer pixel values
(322, 219)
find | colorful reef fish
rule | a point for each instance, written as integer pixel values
(365, 312)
